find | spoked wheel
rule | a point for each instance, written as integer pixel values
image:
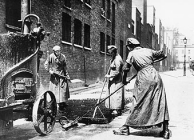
(44, 113)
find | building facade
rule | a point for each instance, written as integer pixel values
(183, 52)
(141, 5)
(83, 29)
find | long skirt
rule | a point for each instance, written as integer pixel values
(60, 89)
(116, 101)
(151, 108)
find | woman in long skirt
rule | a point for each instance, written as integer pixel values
(56, 66)
(151, 108)
(116, 102)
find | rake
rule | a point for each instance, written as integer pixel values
(93, 120)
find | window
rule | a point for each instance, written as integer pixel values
(107, 42)
(121, 48)
(138, 30)
(113, 18)
(108, 9)
(132, 27)
(103, 8)
(66, 27)
(87, 35)
(87, 1)
(103, 4)
(67, 3)
(77, 32)
(149, 38)
(113, 41)
(127, 52)
(102, 42)
(188, 58)
(13, 13)
(183, 51)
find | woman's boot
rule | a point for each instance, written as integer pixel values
(124, 130)
(166, 133)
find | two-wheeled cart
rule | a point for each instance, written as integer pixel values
(19, 81)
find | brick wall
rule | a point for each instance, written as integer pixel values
(82, 63)
(96, 63)
(2, 16)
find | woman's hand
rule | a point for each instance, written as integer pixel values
(108, 76)
(51, 71)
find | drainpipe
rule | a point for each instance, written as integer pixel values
(25, 10)
(26, 28)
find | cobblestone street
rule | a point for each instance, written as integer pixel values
(180, 97)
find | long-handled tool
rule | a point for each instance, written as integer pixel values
(65, 77)
(97, 107)
(94, 120)
(99, 102)
(99, 120)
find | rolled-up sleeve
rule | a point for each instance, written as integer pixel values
(129, 58)
(46, 64)
(158, 54)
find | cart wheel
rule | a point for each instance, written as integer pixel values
(44, 113)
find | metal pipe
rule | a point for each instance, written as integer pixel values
(28, 16)
(24, 12)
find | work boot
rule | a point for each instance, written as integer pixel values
(124, 130)
(114, 113)
(166, 133)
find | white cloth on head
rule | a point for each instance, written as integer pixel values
(56, 48)
(111, 46)
(132, 41)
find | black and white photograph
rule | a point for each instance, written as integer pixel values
(96, 69)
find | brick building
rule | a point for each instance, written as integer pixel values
(142, 7)
(83, 29)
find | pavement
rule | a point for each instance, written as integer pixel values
(180, 99)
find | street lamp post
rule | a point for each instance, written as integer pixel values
(184, 65)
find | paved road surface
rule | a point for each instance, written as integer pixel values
(180, 97)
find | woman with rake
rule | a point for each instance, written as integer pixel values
(116, 102)
(151, 108)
